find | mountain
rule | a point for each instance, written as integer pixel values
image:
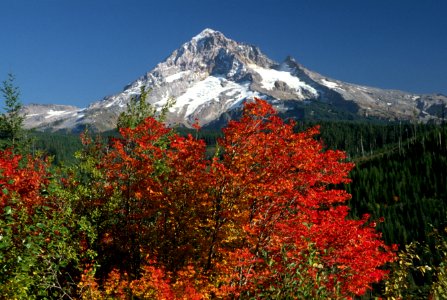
(211, 75)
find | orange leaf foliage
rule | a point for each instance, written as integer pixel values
(244, 222)
(21, 179)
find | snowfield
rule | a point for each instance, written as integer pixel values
(270, 76)
(211, 88)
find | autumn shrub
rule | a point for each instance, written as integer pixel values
(39, 254)
(411, 264)
(148, 215)
(260, 219)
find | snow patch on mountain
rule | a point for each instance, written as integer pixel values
(203, 34)
(270, 76)
(54, 113)
(329, 84)
(176, 76)
(211, 88)
(122, 99)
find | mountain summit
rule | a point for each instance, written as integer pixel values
(211, 75)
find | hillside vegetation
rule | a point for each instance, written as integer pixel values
(262, 209)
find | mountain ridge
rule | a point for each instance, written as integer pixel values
(211, 75)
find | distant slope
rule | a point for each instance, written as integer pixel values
(406, 184)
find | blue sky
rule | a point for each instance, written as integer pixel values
(76, 52)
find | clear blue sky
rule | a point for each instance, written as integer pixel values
(76, 52)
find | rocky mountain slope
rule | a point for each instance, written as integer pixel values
(210, 76)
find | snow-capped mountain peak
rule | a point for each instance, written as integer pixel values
(205, 33)
(211, 75)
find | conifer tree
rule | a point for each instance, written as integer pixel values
(11, 121)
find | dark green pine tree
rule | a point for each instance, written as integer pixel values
(12, 134)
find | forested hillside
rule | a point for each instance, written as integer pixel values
(405, 184)
(400, 172)
(60, 146)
